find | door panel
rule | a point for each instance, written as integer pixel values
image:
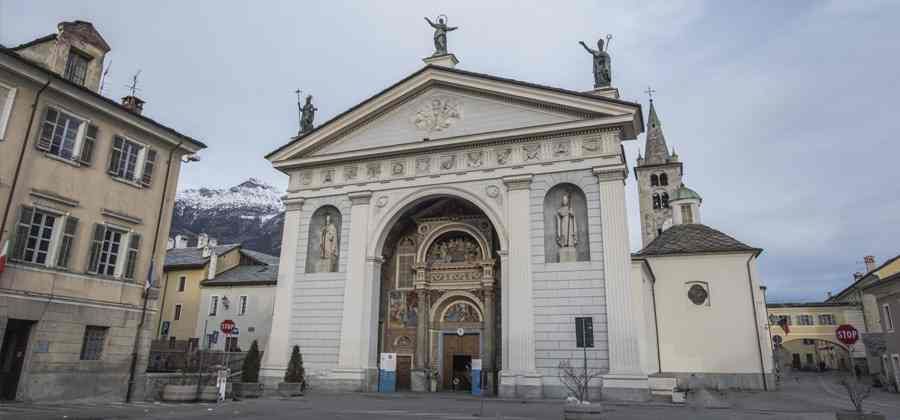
(12, 356)
(404, 364)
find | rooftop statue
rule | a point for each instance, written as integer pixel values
(602, 76)
(440, 34)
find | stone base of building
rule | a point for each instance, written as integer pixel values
(418, 381)
(626, 387)
(527, 386)
(735, 381)
(346, 380)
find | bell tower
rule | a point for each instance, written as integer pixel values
(658, 175)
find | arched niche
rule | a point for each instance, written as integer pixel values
(325, 218)
(553, 205)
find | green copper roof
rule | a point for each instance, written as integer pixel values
(685, 193)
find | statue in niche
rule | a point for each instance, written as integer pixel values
(327, 246)
(602, 76)
(440, 34)
(566, 230)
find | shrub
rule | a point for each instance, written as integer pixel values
(250, 368)
(295, 372)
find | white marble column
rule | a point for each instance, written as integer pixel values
(520, 309)
(356, 334)
(626, 379)
(278, 349)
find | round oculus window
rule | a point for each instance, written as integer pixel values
(698, 294)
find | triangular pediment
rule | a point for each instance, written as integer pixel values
(439, 103)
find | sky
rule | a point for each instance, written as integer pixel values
(780, 111)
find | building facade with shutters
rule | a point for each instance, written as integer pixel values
(86, 189)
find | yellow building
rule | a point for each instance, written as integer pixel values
(184, 270)
(810, 342)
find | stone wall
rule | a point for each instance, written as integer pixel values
(563, 291)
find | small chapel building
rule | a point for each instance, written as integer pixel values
(459, 216)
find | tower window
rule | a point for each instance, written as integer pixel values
(665, 200)
(657, 202)
(76, 67)
(663, 179)
(687, 216)
(654, 180)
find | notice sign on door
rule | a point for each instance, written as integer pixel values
(476, 364)
(389, 362)
(584, 332)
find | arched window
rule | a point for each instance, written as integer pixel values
(656, 201)
(663, 179)
(665, 200)
(654, 180)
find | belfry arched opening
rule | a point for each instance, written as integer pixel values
(439, 309)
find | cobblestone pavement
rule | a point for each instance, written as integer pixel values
(802, 397)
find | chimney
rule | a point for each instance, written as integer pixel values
(202, 240)
(857, 275)
(213, 242)
(870, 262)
(180, 241)
(133, 104)
(213, 263)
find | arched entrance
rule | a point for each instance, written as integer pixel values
(812, 354)
(439, 308)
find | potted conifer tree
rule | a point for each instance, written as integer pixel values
(249, 386)
(294, 378)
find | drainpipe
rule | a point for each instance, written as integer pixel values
(762, 366)
(159, 217)
(15, 179)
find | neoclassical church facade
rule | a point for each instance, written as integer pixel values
(458, 216)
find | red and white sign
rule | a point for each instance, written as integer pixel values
(4, 248)
(847, 334)
(226, 326)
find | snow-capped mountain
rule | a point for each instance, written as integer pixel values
(250, 213)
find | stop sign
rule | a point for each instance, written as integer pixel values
(226, 326)
(847, 334)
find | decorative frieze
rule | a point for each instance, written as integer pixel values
(544, 150)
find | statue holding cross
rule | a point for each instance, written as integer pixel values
(602, 75)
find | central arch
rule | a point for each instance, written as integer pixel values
(439, 289)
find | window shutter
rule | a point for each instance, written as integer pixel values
(46, 137)
(87, 146)
(134, 243)
(68, 239)
(115, 156)
(149, 162)
(26, 214)
(96, 245)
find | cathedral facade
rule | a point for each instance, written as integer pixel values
(457, 217)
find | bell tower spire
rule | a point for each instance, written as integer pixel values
(658, 174)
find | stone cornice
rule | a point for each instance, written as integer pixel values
(361, 197)
(292, 204)
(121, 216)
(614, 173)
(519, 182)
(53, 197)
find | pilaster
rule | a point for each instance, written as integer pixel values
(355, 331)
(626, 379)
(279, 346)
(519, 307)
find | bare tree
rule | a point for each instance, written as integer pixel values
(577, 380)
(857, 391)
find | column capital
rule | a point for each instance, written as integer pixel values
(360, 197)
(518, 182)
(613, 173)
(292, 204)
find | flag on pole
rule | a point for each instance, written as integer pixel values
(4, 249)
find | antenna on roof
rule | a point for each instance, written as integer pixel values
(134, 81)
(103, 77)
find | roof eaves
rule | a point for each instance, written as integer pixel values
(51, 74)
(35, 41)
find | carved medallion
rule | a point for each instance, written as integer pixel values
(561, 149)
(397, 168)
(503, 155)
(492, 191)
(448, 162)
(381, 201)
(591, 144)
(698, 294)
(437, 114)
(373, 170)
(327, 176)
(475, 158)
(423, 165)
(532, 151)
(350, 172)
(306, 177)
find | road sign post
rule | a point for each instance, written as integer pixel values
(584, 338)
(848, 335)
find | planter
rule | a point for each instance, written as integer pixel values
(582, 412)
(290, 389)
(852, 415)
(248, 389)
(188, 393)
